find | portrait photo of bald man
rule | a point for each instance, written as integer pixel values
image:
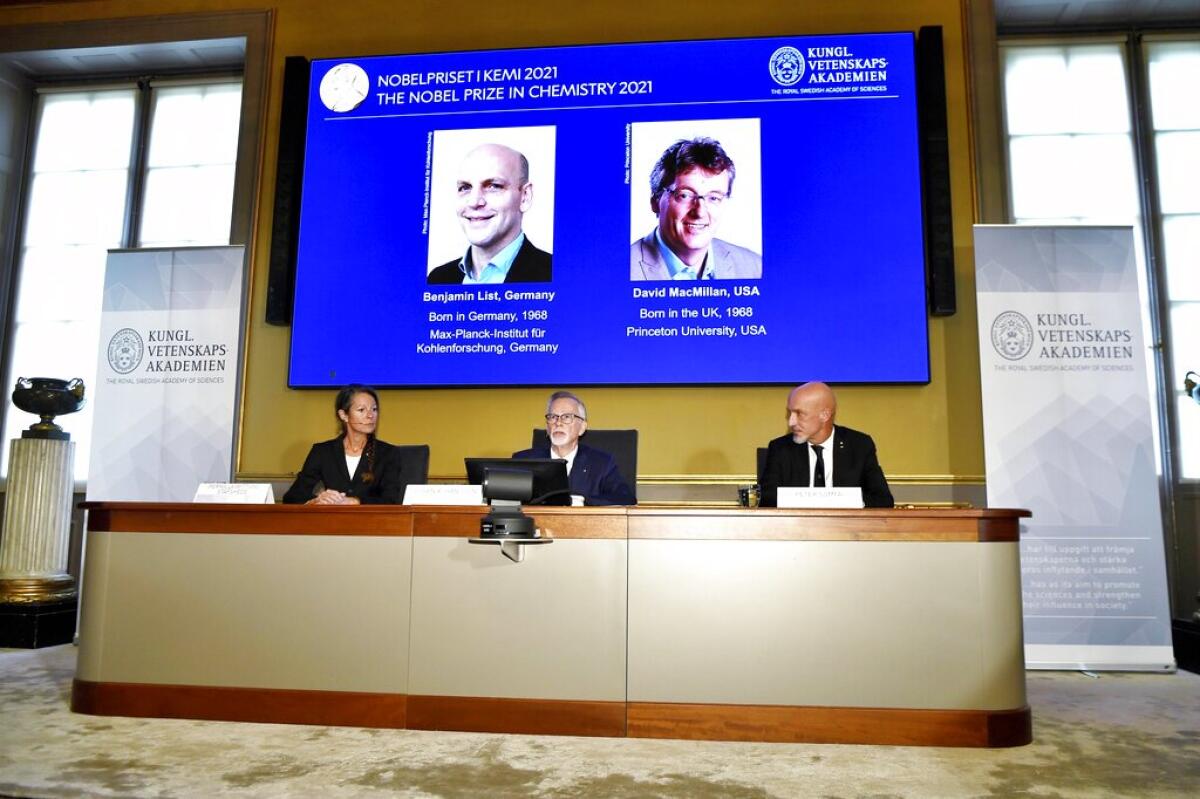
(489, 192)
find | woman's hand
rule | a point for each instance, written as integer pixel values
(331, 497)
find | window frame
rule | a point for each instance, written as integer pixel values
(1136, 66)
(143, 89)
(1172, 383)
(254, 28)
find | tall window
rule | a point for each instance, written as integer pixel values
(1173, 77)
(91, 161)
(1071, 148)
(189, 170)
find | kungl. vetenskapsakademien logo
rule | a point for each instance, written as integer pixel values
(125, 350)
(787, 66)
(1012, 335)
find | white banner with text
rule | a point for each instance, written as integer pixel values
(1067, 434)
(166, 386)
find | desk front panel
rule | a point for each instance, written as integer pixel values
(549, 627)
(314, 612)
(881, 624)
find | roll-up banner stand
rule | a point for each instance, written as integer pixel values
(166, 393)
(1067, 434)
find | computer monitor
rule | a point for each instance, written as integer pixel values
(550, 483)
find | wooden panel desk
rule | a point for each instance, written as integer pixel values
(864, 626)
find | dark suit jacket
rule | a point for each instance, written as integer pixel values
(854, 464)
(326, 465)
(594, 476)
(530, 266)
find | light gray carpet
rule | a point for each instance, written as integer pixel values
(1119, 735)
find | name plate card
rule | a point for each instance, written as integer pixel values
(235, 493)
(443, 495)
(804, 497)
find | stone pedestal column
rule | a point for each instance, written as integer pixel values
(37, 596)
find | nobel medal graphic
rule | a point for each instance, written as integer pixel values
(344, 88)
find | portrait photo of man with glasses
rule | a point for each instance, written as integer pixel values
(691, 192)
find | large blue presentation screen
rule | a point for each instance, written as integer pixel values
(706, 212)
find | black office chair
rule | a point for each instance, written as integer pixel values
(762, 463)
(414, 464)
(621, 444)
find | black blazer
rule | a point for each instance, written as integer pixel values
(326, 465)
(854, 464)
(530, 266)
(594, 475)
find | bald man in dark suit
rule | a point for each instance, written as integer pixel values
(819, 453)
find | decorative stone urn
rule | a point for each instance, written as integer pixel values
(47, 397)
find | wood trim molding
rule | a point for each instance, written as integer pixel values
(707, 523)
(1002, 529)
(557, 522)
(772, 524)
(152, 517)
(220, 703)
(766, 723)
(838, 725)
(526, 716)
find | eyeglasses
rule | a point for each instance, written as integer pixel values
(565, 418)
(686, 197)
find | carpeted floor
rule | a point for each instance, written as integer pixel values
(1116, 735)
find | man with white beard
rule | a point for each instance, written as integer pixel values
(593, 473)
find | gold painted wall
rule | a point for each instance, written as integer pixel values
(934, 429)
